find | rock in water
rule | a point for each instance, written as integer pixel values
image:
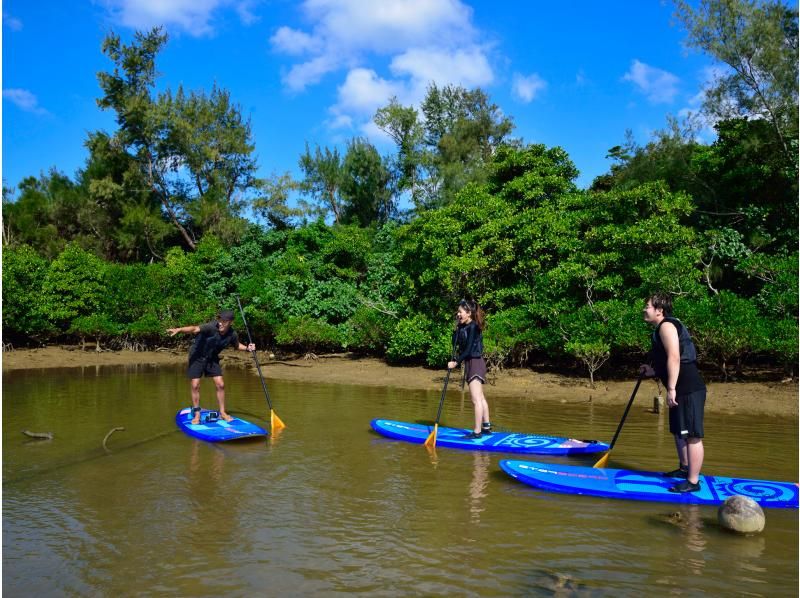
(741, 514)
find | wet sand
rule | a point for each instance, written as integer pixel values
(757, 398)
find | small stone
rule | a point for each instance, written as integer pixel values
(741, 514)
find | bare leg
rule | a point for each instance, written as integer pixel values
(195, 386)
(696, 454)
(480, 404)
(683, 455)
(220, 384)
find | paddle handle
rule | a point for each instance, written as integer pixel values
(624, 415)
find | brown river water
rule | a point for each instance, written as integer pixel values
(328, 507)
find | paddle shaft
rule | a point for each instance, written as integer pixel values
(444, 389)
(444, 393)
(255, 357)
(624, 415)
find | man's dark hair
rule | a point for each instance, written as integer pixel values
(663, 302)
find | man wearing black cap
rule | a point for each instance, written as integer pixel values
(211, 339)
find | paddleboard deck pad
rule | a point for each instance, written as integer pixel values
(644, 485)
(507, 442)
(212, 428)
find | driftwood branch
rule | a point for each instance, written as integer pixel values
(38, 435)
(105, 448)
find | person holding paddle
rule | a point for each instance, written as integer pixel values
(211, 339)
(468, 340)
(674, 360)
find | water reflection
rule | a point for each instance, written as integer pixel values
(477, 487)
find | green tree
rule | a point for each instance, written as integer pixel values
(72, 287)
(402, 124)
(449, 147)
(272, 202)
(193, 152)
(365, 192)
(24, 271)
(322, 179)
(757, 41)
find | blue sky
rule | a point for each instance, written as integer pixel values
(571, 73)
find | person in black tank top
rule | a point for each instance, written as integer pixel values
(211, 339)
(674, 361)
(468, 348)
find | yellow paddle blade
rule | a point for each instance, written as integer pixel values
(602, 462)
(275, 421)
(430, 442)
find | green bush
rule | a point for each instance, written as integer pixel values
(411, 340)
(368, 330)
(308, 334)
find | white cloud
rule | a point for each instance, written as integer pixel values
(13, 23)
(388, 26)
(526, 88)
(24, 100)
(291, 41)
(193, 16)
(468, 67)
(363, 92)
(302, 75)
(659, 86)
(345, 33)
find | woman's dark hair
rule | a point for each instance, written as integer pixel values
(474, 310)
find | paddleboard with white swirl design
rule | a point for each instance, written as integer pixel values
(646, 485)
(506, 442)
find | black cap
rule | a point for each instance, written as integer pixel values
(226, 315)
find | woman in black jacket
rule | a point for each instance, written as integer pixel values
(468, 340)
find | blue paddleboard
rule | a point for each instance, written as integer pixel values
(645, 485)
(216, 430)
(507, 442)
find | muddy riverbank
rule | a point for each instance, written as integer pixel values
(757, 398)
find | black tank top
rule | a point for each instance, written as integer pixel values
(689, 378)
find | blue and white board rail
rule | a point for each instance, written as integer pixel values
(507, 442)
(645, 485)
(218, 430)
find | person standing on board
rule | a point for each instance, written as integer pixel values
(211, 339)
(674, 360)
(468, 340)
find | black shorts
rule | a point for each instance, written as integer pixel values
(202, 367)
(475, 367)
(686, 418)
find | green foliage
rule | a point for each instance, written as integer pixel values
(412, 339)
(726, 328)
(97, 326)
(366, 196)
(308, 334)
(322, 179)
(24, 272)
(192, 153)
(73, 286)
(368, 331)
(449, 148)
(757, 41)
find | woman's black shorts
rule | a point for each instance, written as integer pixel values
(475, 367)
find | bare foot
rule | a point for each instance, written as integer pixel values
(196, 419)
(225, 416)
